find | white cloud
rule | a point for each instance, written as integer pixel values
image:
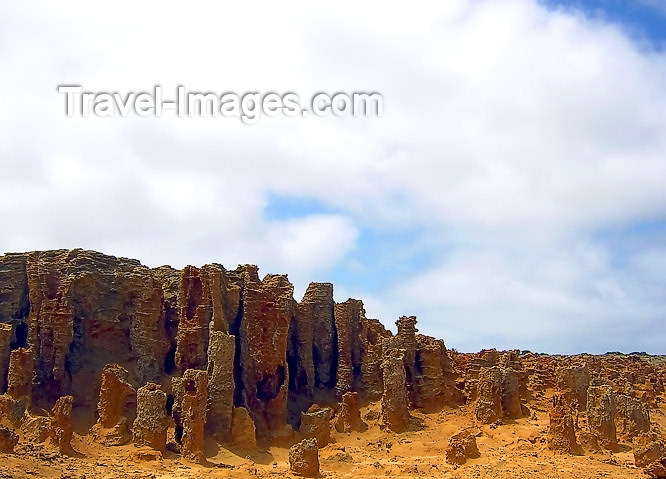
(513, 135)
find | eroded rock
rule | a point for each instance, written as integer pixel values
(349, 417)
(8, 440)
(601, 410)
(243, 433)
(151, 423)
(562, 430)
(304, 458)
(111, 428)
(395, 410)
(315, 424)
(62, 428)
(462, 446)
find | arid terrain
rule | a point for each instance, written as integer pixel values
(112, 369)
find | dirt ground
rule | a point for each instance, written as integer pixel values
(513, 450)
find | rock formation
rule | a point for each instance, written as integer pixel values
(193, 406)
(395, 406)
(8, 440)
(243, 433)
(304, 458)
(562, 430)
(631, 418)
(461, 446)
(112, 428)
(221, 385)
(150, 425)
(349, 417)
(235, 358)
(62, 428)
(315, 424)
(601, 410)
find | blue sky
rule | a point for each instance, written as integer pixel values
(512, 195)
(644, 20)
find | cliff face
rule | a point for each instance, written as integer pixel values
(75, 312)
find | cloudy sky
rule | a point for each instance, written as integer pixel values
(513, 195)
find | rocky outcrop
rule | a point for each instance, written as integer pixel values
(315, 424)
(19, 377)
(395, 404)
(562, 430)
(601, 410)
(347, 323)
(462, 446)
(349, 417)
(498, 394)
(8, 440)
(5, 351)
(573, 381)
(243, 433)
(62, 428)
(112, 427)
(647, 448)
(193, 405)
(267, 310)
(221, 385)
(631, 417)
(304, 458)
(151, 424)
(488, 406)
(434, 381)
(319, 307)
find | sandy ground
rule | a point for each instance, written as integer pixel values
(514, 450)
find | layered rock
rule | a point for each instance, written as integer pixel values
(395, 403)
(304, 458)
(349, 417)
(19, 377)
(112, 427)
(151, 423)
(562, 430)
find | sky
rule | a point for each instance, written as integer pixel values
(513, 195)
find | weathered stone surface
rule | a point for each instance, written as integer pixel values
(395, 410)
(372, 334)
(462, 446)
(510, 394)
(648, 448)
(8, 440)
(304, 458)
(243, 433)
(221, 351)
(268, 308)
(562, 430)
(488, 407)
(573, 381)
(498, 394)
(5, 351)
(62, 428)
(632, 417)
(195, 397)
(36, 429)
(19, 378)
(318, 305)
(347, 323)
(349, 417)
(405, 341)
(601, 410)
(151, 424)
(194, 316)
(315, 424)
(111, 428)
